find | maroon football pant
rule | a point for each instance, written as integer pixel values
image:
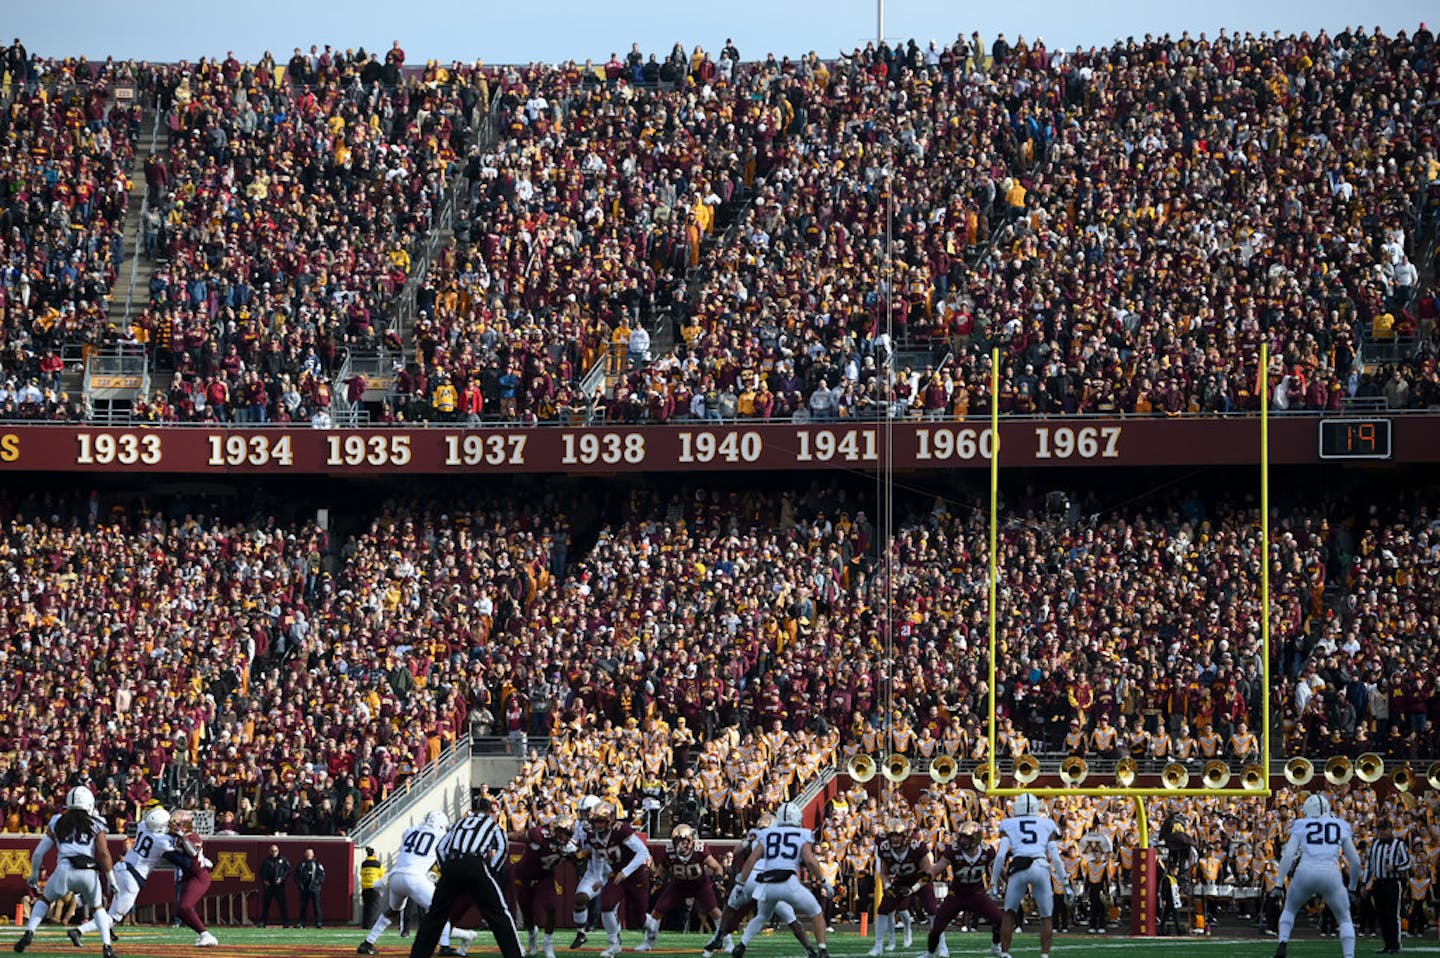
(191, 893)
(977, 903)
(633, 894)
(538, 902)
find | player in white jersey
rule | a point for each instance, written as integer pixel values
(412, 879)
(783, 848)
(82, 863)
(1029, 848)
(152, 841)
(1316, 843)
(742, 896)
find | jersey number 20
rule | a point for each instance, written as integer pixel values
(1322, 833)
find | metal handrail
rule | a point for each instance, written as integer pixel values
(415, 788)
(687, 423)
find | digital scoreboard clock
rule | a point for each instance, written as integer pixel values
(1355, 439)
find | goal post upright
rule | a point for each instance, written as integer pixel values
(1144, 917)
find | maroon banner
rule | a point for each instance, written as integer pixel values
(932, 444)
(236, 872)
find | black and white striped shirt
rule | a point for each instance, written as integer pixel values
(1389, 858)
(474, 835)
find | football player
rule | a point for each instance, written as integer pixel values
(192, 874)
(903, 867)
(742, 898)
(775, 862)
(152, 841)
(535, 886)
(690, 868)
(83, 866)
(617, 874)
(1029, 849)
(413, 879)
(1316, 843)
(969, 862)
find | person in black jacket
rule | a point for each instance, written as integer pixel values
(274, 872)
(309, 878)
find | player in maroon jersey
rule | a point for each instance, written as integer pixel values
(687, 866)
(192, 873)
(904, 874)
(618, 874)
(536, 888)
(969, 863)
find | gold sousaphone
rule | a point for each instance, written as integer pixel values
(1370, 768)
(1175, 776)
(1299, 771)
(897, 768)
(1074, 770)
(943, 770)
(1339, 770)
(1125, 771)
(861, 768)
(1027, 769)
(1216, 774)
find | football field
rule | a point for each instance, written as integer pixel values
(145, 941)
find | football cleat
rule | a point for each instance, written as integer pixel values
(878, 950)
(739, 950)
(611, 950)
(580, 939)
(549, 951)
(74, 935)
(366, 948)
(24, 940)
(206, 940)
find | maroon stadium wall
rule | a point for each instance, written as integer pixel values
(1294, 440)
(237, 868)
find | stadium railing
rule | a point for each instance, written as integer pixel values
(415, 788)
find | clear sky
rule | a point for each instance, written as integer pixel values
(552, 30)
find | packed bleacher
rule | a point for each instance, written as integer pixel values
(285, 210)
(1125, 222)
(739, 635)
(66, 148)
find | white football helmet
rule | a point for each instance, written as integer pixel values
(80, 797)
(157, 820)
(437, 819)
(1316, 806)
(587, 803)
(1026, 804)
(789, 815)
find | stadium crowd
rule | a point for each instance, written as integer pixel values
(739, 636)
(1126, 222)
(66, 148)
(285, 210)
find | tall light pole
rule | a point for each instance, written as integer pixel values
(879, 22)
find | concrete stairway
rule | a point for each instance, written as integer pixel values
(132, 284)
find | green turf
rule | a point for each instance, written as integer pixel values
(149, 942)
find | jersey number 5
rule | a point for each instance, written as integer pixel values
(1029, 832)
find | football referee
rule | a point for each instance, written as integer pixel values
(471, 857)
(1385, 873)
